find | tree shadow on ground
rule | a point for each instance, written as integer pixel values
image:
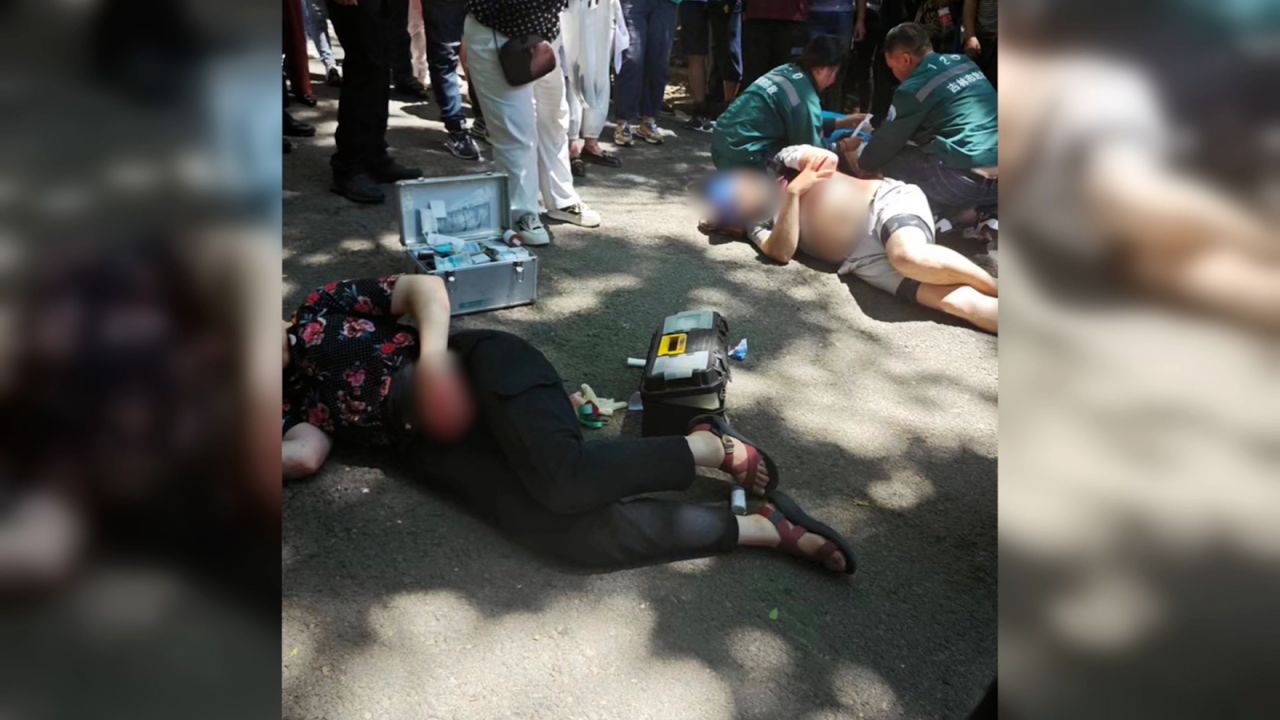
(861, 423)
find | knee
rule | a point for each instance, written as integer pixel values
(559, 499)
(904, 256)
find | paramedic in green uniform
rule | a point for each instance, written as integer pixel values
(780, 109)
(941, 133)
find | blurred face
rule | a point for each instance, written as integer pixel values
(825, 77)
(902, 63)
(740, 196)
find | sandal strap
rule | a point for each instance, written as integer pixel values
(790, 535)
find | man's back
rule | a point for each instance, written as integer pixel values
(781, 108)
(946, 107)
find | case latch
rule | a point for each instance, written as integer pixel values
(519, 271)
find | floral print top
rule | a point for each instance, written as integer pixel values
(344, 347)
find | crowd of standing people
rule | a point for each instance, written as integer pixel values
(613, 56)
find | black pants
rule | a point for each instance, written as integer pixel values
(858, 80)
(365, 31)
(766, 44)
(986, 60)
(527, 469)
(884, 84)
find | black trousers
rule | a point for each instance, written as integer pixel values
(527, 469)
(365, 31)
(766, 44)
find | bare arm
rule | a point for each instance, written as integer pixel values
(782, 243)
(303, 450)
(425, 299)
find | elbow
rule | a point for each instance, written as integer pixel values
(303, 466)
(303, 462)
(782, 258)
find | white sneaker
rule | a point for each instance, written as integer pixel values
(531, 232)
(578, 214)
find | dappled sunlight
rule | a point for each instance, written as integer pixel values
(864, 691)
(883, 426)
(587, 295)
(434, 643)
(904, 490)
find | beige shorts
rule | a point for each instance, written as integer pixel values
(896, 204)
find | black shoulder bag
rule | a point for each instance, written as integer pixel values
(525, 58)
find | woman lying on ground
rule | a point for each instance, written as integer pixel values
(483, 415)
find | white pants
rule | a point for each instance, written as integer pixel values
(587, 29)
(528, 125)
(418, 41)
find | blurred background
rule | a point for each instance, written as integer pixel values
(1140, 463)
(139, 257)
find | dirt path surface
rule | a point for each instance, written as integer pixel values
(882, 416)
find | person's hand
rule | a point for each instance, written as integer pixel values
(860, 31)
(819, 159)
(848, 147)
(807, 178)
(973, 46)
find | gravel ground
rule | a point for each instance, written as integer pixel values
(882, 416)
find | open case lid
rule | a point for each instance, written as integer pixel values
(468, 207)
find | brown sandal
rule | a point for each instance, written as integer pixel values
(783, 510)
(750, 467)
(791, 535)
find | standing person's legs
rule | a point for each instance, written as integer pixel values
(630, 77)
(552, 114)
(510, 117)
(863, 62)
(660, 34)
(883, 85)
(418, 39)
(726, 39)
(840, 25)
(443, 20)
(694, 34)
(399, 41)
(987, 58)
(364, 32)
(756, 54)
(317, 21)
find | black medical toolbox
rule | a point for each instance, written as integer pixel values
(686, 372)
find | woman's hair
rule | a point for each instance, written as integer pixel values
(822, 51)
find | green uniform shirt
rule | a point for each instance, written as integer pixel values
(781, 108)
(947, 108)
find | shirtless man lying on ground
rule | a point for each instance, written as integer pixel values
(879, 230)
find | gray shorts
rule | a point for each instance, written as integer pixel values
(896, 204)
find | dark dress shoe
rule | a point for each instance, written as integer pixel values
(297, 128)
(391, 171)
(308, 100)
(333, 78)
(411, 88)
(359, 188)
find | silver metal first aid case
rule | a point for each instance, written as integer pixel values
(453, 227)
